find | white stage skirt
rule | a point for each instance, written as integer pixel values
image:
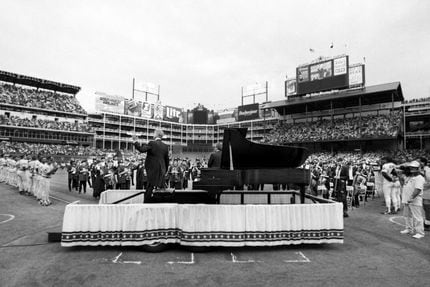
(202, 224)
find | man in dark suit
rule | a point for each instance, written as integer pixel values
(140, 175)
(215, 158)
(156, 162)
(340, 178)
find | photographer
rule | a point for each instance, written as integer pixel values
(412, 198)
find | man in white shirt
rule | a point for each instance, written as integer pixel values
(23, 176)
(426, 192)
(388, 185)
(412, 198)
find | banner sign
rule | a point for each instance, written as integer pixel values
(291, 87)
(109, 103)
(158, 111)
(303, 74)
(147, 110)
(172, 113)
(356, 75)
(248, 112)
(226, 116)
(339, 66)
(133, 108)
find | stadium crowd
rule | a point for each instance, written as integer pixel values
(338, 129)
(45, 124)
(18, 148)
(27, 97)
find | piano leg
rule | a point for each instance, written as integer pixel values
(302, 193)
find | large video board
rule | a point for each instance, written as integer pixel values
(323, 76)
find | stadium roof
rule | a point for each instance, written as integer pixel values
(384, 93)
(38, 83)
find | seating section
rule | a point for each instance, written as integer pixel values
(338, 129)
(45, 124)
(30, 97)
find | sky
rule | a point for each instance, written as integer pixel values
(205, 51)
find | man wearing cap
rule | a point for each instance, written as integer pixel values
(412, 198)
(215, 158)
(156, 162)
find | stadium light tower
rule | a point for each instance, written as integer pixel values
(147, 88)
(256, 91)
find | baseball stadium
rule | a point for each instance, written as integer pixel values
(317, 178)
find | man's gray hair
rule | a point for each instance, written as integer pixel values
(158, 134)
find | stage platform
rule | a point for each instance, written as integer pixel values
(134, 223)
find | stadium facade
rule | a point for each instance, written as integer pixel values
(40, 111)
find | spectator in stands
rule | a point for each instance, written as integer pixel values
(45, 124)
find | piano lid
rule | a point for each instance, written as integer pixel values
(250, 155)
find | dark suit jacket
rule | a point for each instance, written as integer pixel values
(156, 162)
(140, 177)
(215, 160)
(341, 185)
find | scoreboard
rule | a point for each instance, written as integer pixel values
(322, 76)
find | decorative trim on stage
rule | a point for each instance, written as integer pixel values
(180, 236)
(202, 224)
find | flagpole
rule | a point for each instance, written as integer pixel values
(132, 93)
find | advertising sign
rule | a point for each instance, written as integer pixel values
(109, 103)
(172, 114)
(291, 87)
(226, 116)
(158, 111)
(321, 70)
(132, 108)
(339, 66)
(147, 110)
(303, 74)
(356, 75)
(248, 112)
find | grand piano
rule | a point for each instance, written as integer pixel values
(244, 162)
(201, 218)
